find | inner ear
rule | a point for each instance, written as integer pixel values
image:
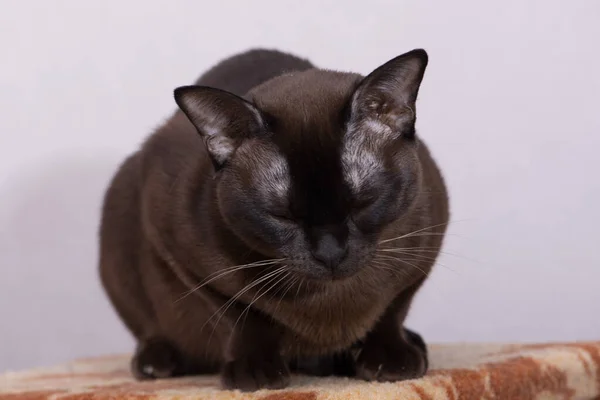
(389, 93)
(223, 119)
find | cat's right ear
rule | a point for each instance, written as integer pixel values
(223, 119)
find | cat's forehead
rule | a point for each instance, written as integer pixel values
(306, 112)
(312, 93)
(317, 154)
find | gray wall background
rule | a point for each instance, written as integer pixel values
(510, 107)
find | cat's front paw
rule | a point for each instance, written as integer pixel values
(391, 362)
(253, 372)
(155, 359)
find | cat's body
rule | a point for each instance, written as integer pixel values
(170, 221)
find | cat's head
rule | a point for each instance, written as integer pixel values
(312, 166)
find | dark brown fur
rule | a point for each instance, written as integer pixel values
(176, 213)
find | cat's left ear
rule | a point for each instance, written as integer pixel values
(388, 94)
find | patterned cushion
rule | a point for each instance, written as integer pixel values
(466, 371)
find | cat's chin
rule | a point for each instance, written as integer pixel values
(322, 275)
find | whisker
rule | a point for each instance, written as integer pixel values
(280, 288)
(388, 267)
(420, 257)
(425, 258)
(408, 263)
(412, 254)
(241, 292)
(415, 232)
(299, 286)
(415, 248)
(422, 234)
(426, 250)
(422, 230)
(225, 271)
(255, 299)
(289, 286)
(231, 301)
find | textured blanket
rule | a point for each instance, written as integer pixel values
(512, 372)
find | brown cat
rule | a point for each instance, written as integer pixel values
(282, 221)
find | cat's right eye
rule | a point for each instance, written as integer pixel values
(284, 218)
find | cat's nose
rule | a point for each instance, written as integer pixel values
(329, 251)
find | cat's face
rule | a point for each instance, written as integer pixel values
(315, 164)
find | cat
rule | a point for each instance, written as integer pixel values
(279, 222)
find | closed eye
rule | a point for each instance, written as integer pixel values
(363, 205)
(285, 218)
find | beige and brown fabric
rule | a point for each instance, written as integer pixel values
(512, 372)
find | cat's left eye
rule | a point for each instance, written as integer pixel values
(363, 205)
